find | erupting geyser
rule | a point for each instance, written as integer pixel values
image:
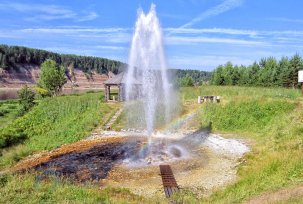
(149, 96)
(147, 80)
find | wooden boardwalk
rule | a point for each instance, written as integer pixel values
(169, 182)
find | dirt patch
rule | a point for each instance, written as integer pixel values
(277, 196)
(82, 161)
(28, 74)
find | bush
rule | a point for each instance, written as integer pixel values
(26, 100)
(185, 81)
(10, 137)
(41, 92)
(3, 112)
(52, 77)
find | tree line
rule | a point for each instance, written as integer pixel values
(189, 77)
(11, 56)
(267, 72)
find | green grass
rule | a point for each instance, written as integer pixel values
(272, 120)
(8, 111)
(26, 189)
(53, 122)
(250, 116)
(228, 93)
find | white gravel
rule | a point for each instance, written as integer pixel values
(231, 147)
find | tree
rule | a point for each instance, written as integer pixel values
(295, 64)
(235, 76)
(186, 81)
(244, 77)
(52, 77)
(217, 76)
(26, 100)
(282, 79)
(228, 73)
(253, 74)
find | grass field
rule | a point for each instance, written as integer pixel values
(53, 122)
(26, 189)
(8, 112)
(269, 119)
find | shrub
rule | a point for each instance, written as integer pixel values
(41, 92)
(26, 100)
(52, 77)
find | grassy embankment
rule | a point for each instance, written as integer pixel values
(53, 122)
(8, 111)
(271, 119)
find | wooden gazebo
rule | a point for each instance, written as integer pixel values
(117, 81)
(120, 82)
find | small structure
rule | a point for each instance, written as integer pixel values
(215, 99)
(118, 81)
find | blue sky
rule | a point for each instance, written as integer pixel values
(198, 34)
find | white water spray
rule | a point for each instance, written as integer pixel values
(147, 79)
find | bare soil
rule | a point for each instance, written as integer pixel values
(29, 75)
(278, 196)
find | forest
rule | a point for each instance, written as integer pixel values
(11, 56)
(189, 77)
(267, 72)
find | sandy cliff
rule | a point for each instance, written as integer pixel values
(29, 75)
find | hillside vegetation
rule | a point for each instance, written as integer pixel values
(11, 56)
(15, 57)
(271, 121)
(53, 122)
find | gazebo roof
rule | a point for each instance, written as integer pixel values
(116, 80)
(119, 79)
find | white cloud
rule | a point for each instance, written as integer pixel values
(38, 12)
(287, 20)
(112, 35)
(205, 62)
(211, 30)
(90, 16)
(63, 30)
(225, 6)
(194, 40)
(108, 47)
(231, 31)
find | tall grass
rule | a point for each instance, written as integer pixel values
(270, 117)
(250, 116)
(26, 189)
(233, 92)
(8, 111)
(53, 122)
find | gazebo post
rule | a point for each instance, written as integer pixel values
(105, 94)
(108, 92)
